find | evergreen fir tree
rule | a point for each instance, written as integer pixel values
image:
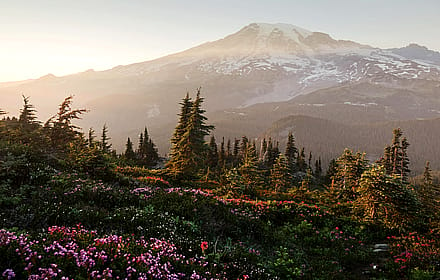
(331, 172)
(310, 160)
(147, 152)
(27, 131)
(222, 153)
(229, 148)
(27, 114)
(404, 164)
(395, 158)
(145, 145)
(427, 177)
(396, 151)
(60, 127)
(243, 146)
(280, 176)
(386, 160)
(91, 140)
(236, 152)
(384, 198)
(229, 155)
(291, 152)
(104, 144)
(301, 161)
(213, 155)
(140, 146)
(189, 151)
(129, 152)
(152, 155)
(250, 174)
(429, 194)
(348, 173)
(318, 168)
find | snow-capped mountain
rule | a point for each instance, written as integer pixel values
(293, 61)
(260, 64)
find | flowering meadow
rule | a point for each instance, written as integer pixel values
(147, 227)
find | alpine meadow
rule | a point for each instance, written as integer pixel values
(275, 152)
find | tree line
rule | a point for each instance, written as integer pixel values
(373, 191)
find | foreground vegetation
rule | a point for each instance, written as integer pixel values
(73, 209)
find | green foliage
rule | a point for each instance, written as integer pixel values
(348, 173)
(385, 199)
(129, 152)
(146, 154)
(291, 151)
(60, 129)
(429, 194)
(395, 158)
(280, 176)
(104, 143)
(189, 148)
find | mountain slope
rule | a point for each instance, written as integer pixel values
(329, 138)
(247, 71)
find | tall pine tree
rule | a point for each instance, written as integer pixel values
(129, 152)
(104, 144)
(280, 174)
(291, 152)
(189, 149)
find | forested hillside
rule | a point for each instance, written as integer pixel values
(234, 208)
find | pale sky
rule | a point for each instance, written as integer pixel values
(62, 37)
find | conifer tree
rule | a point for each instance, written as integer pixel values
(104, 144)
(185, 111)
(147, 152)
(301, 164)
(395, 158)
(384, 198)
(27, 114)
(141, 145)
(60, 127)
(318, 167)
(189, 151)
(280, 175)
(27, 131)
(212, 159)
(221, 154)
(152, 153)
(404, 164)
(291, 152)
(129, 152)
(91, 140)
(331, 172)
(348, 173)
(250, 174)
(429, 194)
(236, 152)
(243, 146)
(229, 148)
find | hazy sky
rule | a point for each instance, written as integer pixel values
(62, 37)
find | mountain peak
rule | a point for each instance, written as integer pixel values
(290, 31)
(415, 51)
(275, 39)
